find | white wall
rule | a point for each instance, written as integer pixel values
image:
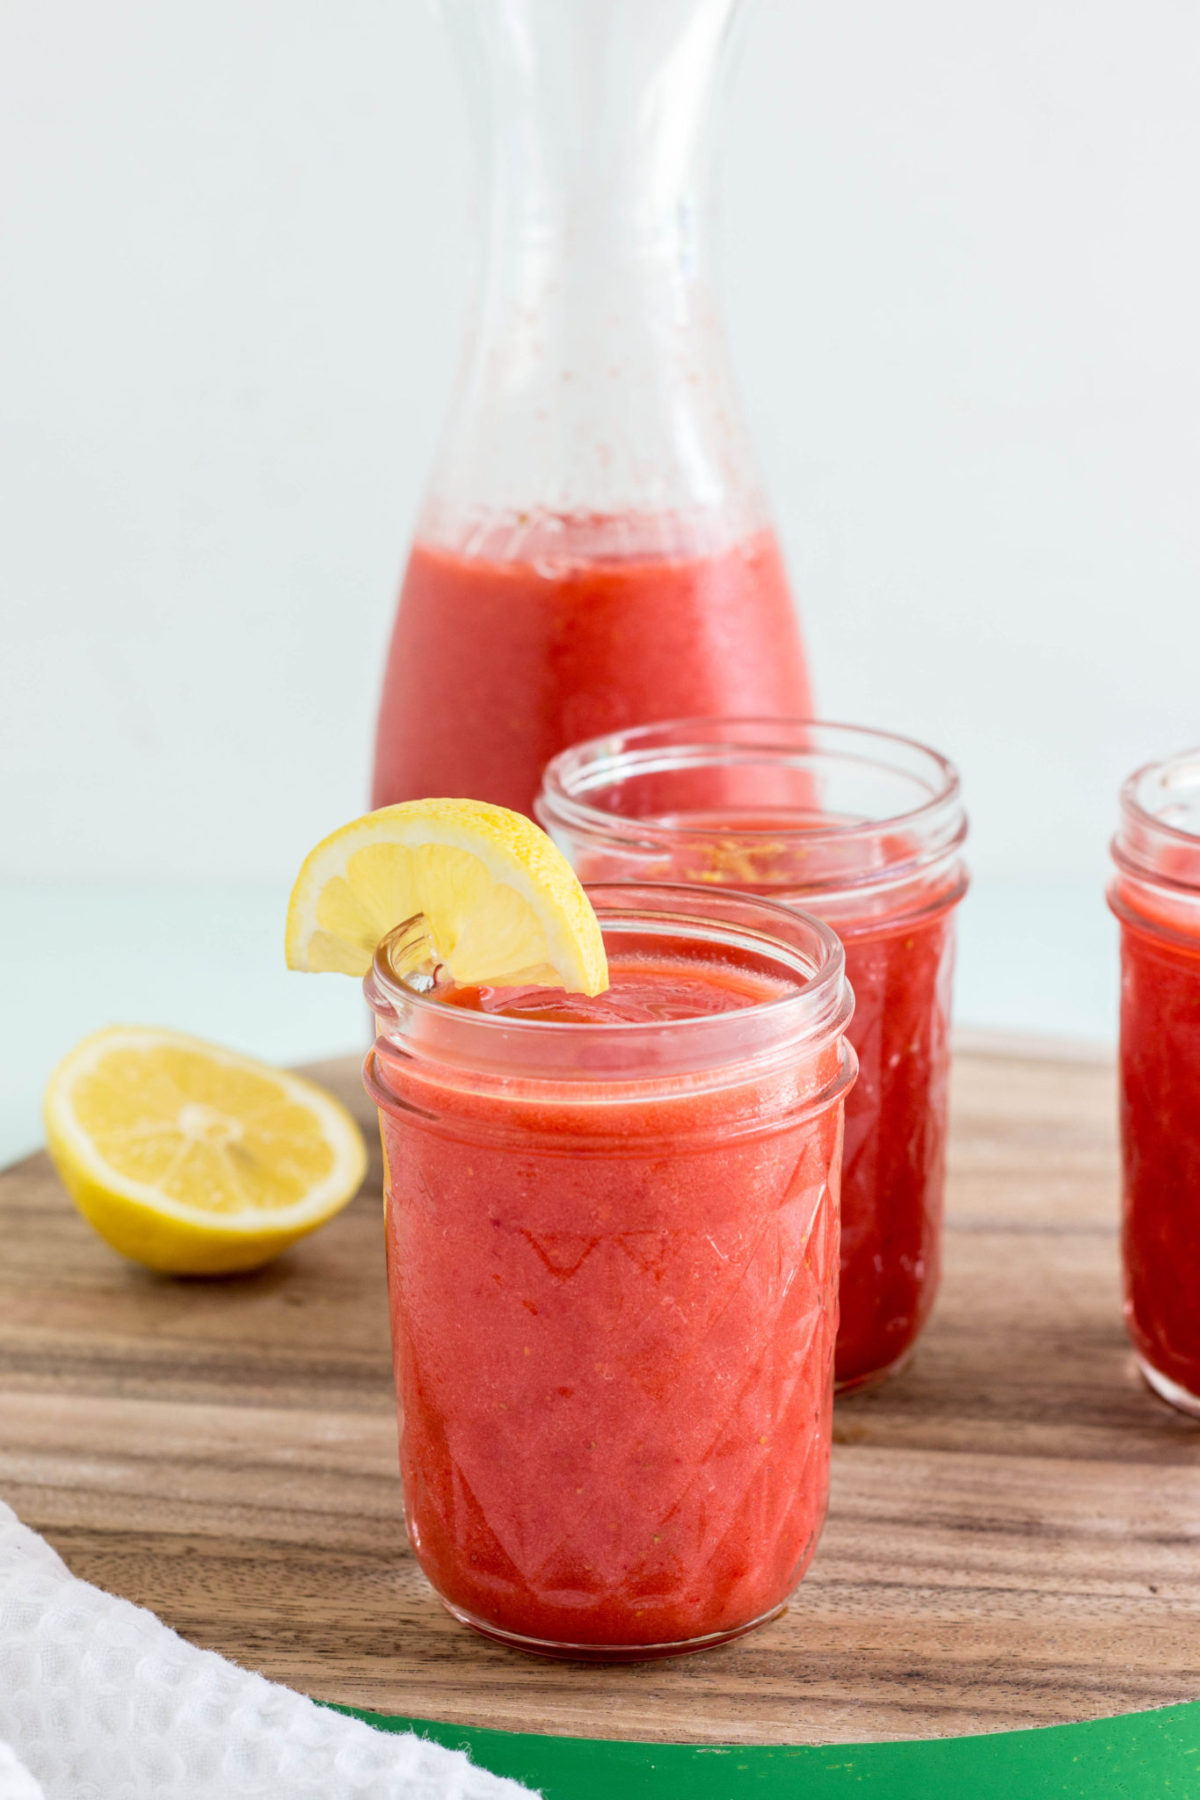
(963, 281)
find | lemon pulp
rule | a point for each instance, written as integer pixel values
(500, 902)
(191, 1158)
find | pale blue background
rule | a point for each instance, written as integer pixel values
(961, 266)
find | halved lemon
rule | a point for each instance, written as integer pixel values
(501, 903)
(192, 1159)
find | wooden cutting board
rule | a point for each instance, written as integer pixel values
(1013, 1537)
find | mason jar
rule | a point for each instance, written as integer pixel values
(865, 830)
(612, 1250)
(1155, 893)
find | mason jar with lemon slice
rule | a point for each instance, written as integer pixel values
(612, 1130)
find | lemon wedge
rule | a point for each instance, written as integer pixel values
(192, 1159)
(501, 903)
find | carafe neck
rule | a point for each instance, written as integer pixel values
(595, 382)
(593, 124)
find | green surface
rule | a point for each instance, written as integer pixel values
(1140, 1756)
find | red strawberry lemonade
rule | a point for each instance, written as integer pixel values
(864, 830)
(497, 663)
(612, 1230)
(1156, 897)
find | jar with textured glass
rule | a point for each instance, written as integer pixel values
(1155, 893)
(612, 1230)
(865, 830)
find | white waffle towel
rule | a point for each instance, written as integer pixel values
(99, 1700)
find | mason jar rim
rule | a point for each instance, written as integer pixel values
(695, 743)
(1146, 835)
(815, 1011)
(1166, 771)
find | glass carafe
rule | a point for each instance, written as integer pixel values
(594, 550)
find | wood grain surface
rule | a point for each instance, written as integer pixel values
(1014, 1533)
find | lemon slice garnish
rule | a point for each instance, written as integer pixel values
(501, 903)
(192, 1159)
